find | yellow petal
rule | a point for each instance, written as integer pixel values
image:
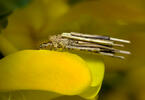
(53, 71)
(96, 66)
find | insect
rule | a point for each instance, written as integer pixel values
(96, 44)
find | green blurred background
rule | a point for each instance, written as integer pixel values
(124, 79)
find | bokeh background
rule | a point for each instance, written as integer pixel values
(124, 79)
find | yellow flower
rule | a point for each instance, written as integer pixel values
(57, 72)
